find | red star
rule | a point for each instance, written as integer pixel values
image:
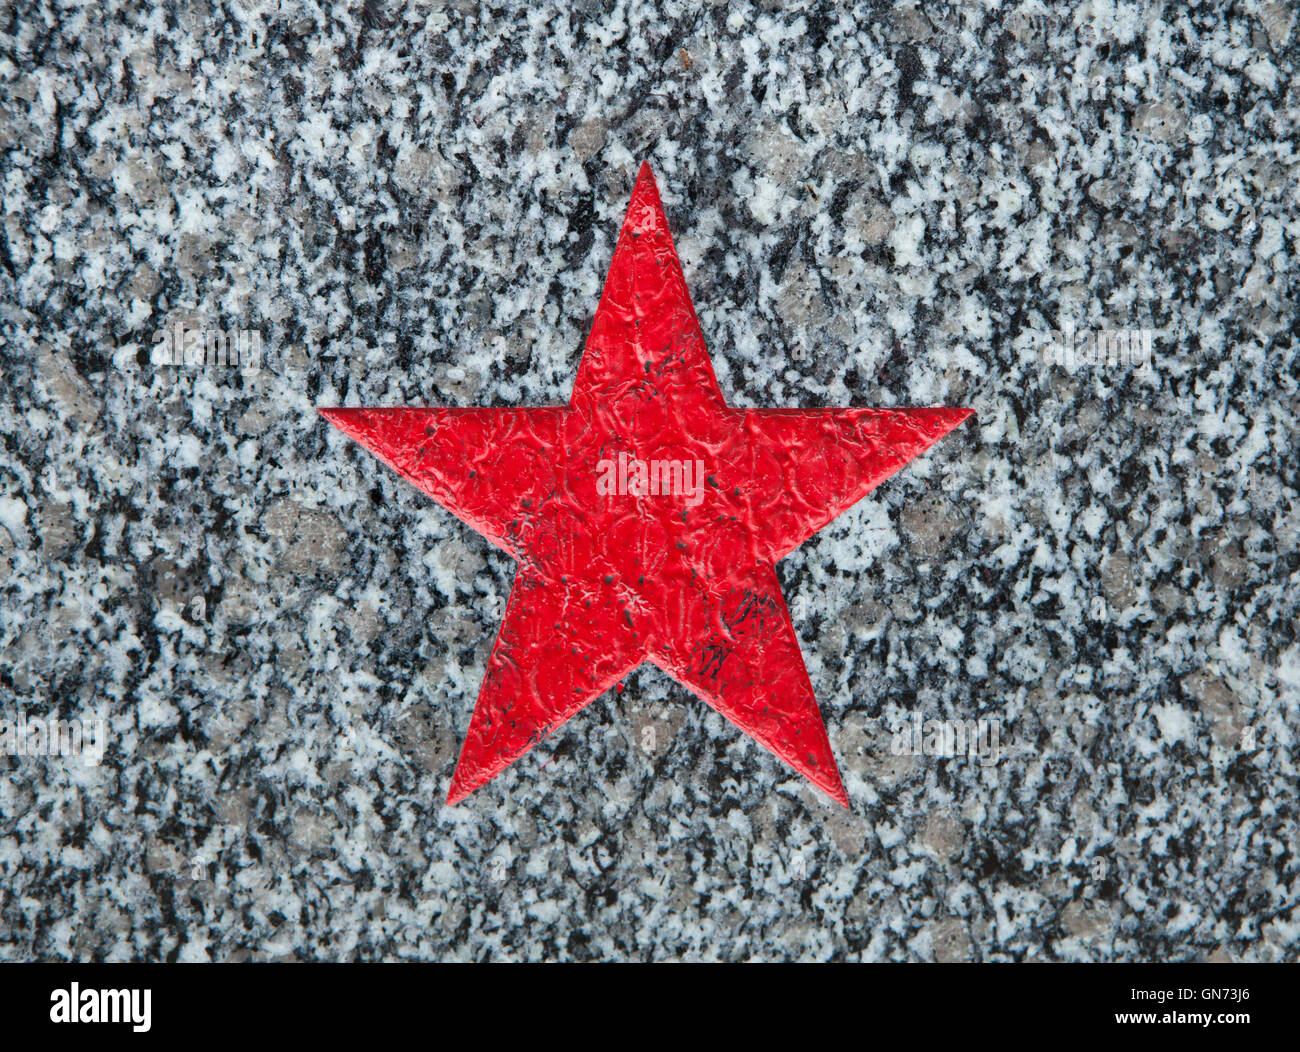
(611, 572)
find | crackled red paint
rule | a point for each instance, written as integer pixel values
(612, 574)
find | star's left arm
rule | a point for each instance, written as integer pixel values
(488, 467)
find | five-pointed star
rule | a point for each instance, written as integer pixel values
(625, 553)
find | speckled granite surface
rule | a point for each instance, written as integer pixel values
(885, 206)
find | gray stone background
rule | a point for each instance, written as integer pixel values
(884, 205)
